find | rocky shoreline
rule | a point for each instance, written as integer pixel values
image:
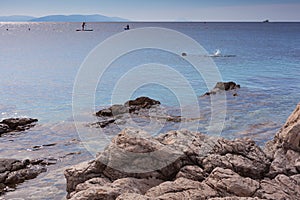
(13, 171)
(191, 165)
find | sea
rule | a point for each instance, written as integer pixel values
(41, 63)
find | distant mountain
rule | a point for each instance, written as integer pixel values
(78, 18)
(16, 18)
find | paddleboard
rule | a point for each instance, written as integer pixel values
(85, 30)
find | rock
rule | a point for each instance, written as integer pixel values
(141, 102)
(223, 86)
(125, 157)
(285, 162)
(81, 173)
(235, 198)
(297, 164)
(227, 183)
(127, 196)
(92, 183)
(4, 128)
(114, 110)
(13, 172)
(191, 172)
(282, 187)
(241, 155)
(226, 86)
(284, 150)
(104, 123)
(106, 190)
(13, 123)
(111, 114)
(134, 153)
(129, 107)
(21, 175)
(181, 188)
(189, 165)
(288, 136)
(16, 124)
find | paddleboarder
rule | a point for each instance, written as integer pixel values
(127, 27)
(83, 26)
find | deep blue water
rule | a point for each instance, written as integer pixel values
(38, 69)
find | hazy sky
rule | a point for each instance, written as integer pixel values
(161, 10)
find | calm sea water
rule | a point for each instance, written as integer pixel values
(39, 67)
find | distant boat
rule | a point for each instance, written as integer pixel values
(266, 21)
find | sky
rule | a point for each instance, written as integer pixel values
(161, 10)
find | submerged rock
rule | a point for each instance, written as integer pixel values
(141, 103)
(190, 165)
(110, 115)
(13, 172)
(223, 86)
(16, 124)
(129, 107)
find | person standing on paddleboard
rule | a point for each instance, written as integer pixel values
(83, 26)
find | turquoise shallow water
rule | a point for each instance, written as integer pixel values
(39, 67)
